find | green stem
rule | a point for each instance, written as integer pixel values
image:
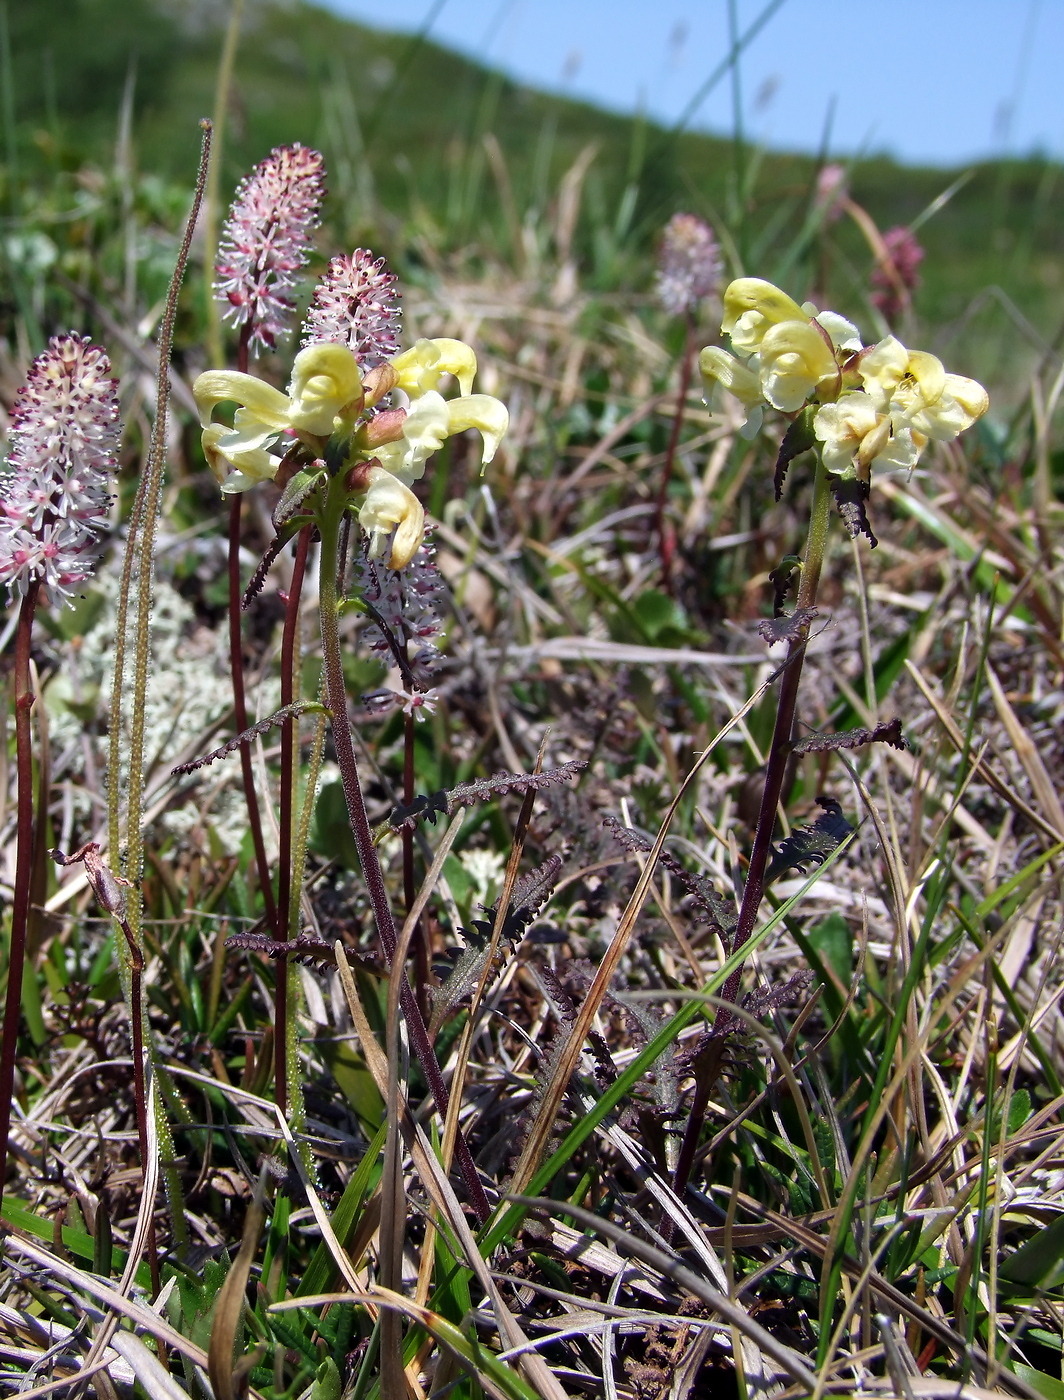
(330, 518)
(284, 924)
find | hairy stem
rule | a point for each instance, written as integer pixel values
(284, 858)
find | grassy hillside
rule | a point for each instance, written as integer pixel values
(422, 143)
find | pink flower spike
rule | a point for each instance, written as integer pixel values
(54, 497)
(266, 240)
(356, 304)
(832, 191)
(689, 264)
(895, 280)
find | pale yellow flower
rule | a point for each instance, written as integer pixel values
(797, 360)
(856, 438)
(426, 362)
(741, 381)
(391, 505)
(325, 381)
(914, 388)
(431, 420)
(326, 399)
(751, 307)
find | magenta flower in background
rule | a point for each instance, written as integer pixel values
(54, 495)
(356, 304)
(266, 239)
(894, 281)
(689, 264)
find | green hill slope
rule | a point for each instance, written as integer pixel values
(424, 145)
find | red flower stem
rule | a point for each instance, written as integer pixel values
(775, 776)
(329, 518)
(20, 905)
(240, 718)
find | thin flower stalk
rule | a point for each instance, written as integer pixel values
(861, 410)
(285, 1078)
(336, 698)
(265, 244)
(689, 272)
(340, 447)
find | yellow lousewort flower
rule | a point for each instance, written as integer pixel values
(391, 505)
(325, 380)
(914, 388)
(855, 438)
(426, 362)
(751, 306)
(432, 419)
(797, 360)
(327, 398)
(717, 366)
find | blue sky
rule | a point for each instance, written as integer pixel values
(929, 81)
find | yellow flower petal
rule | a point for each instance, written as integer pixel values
(325, 379)
(421, 368)
(390, 505)
(490, 417)
(217, 386)
(796, 361)
(751, 306)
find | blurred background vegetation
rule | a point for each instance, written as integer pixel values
(432, 156)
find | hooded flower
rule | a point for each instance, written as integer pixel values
(325, 381)
(742, 382)
(333, 413)
(857, 439)
(914, 388)
(751, 307)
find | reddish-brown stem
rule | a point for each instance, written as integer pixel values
(666, 543)
(336, 699)
(20, 904)
(284, 857)
(418, 946)
(240, 718)
(775, 776)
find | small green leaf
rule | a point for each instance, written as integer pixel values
(1040, 1262)
(833, 940)
(326, 1383)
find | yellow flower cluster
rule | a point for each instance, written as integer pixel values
(878, 406)
(330, 414)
